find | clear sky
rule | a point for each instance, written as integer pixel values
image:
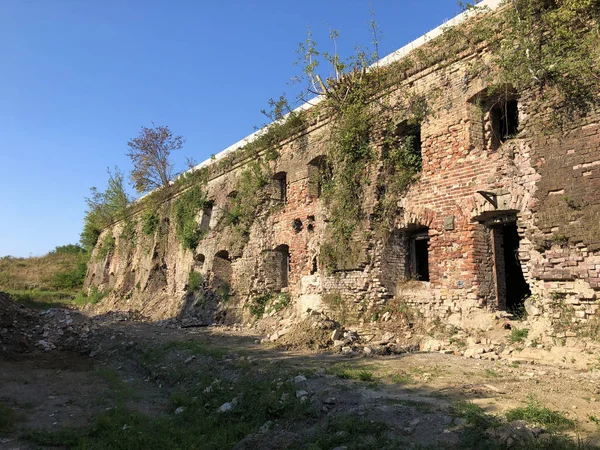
(78, 78)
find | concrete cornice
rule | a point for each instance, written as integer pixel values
(389, 59)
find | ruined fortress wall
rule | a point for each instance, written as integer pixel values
(486, 214)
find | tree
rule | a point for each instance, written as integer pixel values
(104, 208)
(149, 153)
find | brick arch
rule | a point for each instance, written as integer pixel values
(421, 216)
(477, 207)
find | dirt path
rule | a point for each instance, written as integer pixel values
(141, 367)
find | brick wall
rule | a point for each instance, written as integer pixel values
(548, 181)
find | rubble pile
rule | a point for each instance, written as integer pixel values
(24, 330)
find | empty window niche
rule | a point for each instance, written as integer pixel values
(199, 260)
(315, 266)
(221, 271)
(405, 147)
(207, 212)
(280, 186)
(419, 254)
(504, 120)
(282, 253)
(319, 172)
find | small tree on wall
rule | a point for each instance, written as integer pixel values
(149, 153)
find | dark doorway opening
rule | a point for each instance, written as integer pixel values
(517, 289)
(419, 255)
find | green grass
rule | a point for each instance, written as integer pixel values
(518, 335)
(537, 414)
(477, 436)
(347, 372)
(93, 297)
(402, 378)
(421, 406)
(8, 418)
(595, 420)
(474, 415)
(153, 355)
(42, 300)
(122, 391)
(349, 431)
(199, 426)
(489, 373)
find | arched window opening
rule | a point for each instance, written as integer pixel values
(199, 260)
(221, 271)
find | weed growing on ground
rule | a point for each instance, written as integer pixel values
(199, 423)
(596, 420)
(121, 390)
(488, 373)
(349, 432)
(537, 414)
(402, 378)
(518, 335)
(347, 372)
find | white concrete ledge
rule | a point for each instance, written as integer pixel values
(389, 59)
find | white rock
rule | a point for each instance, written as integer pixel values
(301, 393)
(299, 379)
(179, 410)
(226, 407)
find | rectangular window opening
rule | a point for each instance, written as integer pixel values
(504, 117)
(419, 256)
(280, 187)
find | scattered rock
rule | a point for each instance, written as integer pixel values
(298, 379)
(226, 407)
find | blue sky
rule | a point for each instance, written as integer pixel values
(79, 78)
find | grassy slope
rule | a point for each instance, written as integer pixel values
(41, 282)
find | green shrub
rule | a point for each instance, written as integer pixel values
(224, 292)
(107, 247)
(94, 296)
(150, 222)
(195, 281)
(282, 301)
(70, 249)
(185, 212)
(70, 279)
(258, 304)
(104, 208)
(128, 233)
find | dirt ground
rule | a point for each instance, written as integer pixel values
(415, 394)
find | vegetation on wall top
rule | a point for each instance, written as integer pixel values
(547, 47)
(104, 208)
